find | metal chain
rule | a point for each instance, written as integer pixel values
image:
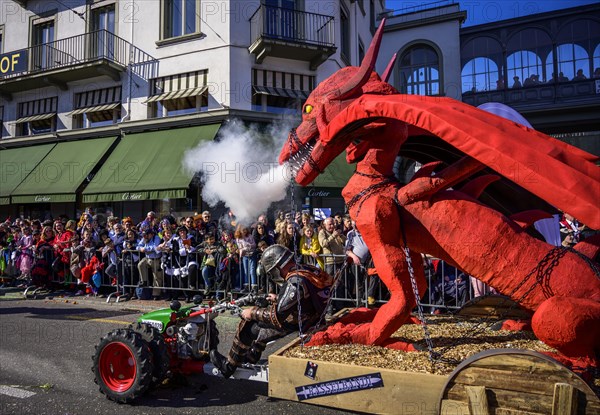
(294, 137)
(336, 280)
(542, 272)
(363, 195)
(433, 356)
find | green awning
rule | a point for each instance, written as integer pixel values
(148, 166)
(336, 174)
(57, 177)
(16, 164)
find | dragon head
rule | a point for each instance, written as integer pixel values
(309, 149)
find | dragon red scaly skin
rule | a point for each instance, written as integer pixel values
(354, 110)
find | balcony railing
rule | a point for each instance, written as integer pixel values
(540, 96)
(289, 25)
(86, 48)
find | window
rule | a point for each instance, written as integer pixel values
(103, 18)
(102, 27)
(97, 108)
(1, 121)
(345, 36)
(481, 74)
(597, 61)
(180, 17)
(1, 39)
(524, 51)
(361, 51)
(482, 65)
(36, 117)
(280, 92)
(578, 50)
(361, 4)
(524, 67)
(42, 53)
(419, 71)
(179, 94)
(569, 58)
(372, 17)
(281, 19)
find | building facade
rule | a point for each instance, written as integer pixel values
(100, 98)
(546, 66)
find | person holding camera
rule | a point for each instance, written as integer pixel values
(332, 241)
(302, 299)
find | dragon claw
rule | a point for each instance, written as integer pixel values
(341, 333)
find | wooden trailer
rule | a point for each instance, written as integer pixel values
(499, 382)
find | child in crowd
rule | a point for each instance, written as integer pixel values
(77, 261)
(229, 269)
(25, 247)
(310, 249)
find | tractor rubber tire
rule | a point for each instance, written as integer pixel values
(158, 348)
(122, 365)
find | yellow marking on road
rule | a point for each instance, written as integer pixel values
(99, 320)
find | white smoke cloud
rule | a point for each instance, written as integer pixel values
(241, 170)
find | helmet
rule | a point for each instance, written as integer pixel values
(273, 258)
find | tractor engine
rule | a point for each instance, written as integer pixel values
(193, 338)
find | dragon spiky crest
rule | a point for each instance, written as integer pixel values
(354, 84)
(333, 95)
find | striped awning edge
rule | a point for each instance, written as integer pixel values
(35, 118)
(281, 92)
(97, 108)
(183, 93)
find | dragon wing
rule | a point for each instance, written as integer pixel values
(563, 175)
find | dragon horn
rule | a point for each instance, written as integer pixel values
(388, 70)
(368, 64)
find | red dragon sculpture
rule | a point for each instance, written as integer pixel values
(492, 178)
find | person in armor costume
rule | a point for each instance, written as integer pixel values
(307, 284)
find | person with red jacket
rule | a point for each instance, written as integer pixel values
(62, 242)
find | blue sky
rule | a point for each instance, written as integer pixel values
(486, 11)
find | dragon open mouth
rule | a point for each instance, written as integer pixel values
(302, 155)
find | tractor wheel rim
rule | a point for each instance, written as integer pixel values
(117, 367)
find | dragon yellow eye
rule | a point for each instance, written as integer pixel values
(308, 109)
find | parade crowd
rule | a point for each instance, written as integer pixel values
(166, 257)
(170, 258)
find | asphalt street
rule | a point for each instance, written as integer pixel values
(45, 366)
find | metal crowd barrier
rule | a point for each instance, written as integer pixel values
(447, 287)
